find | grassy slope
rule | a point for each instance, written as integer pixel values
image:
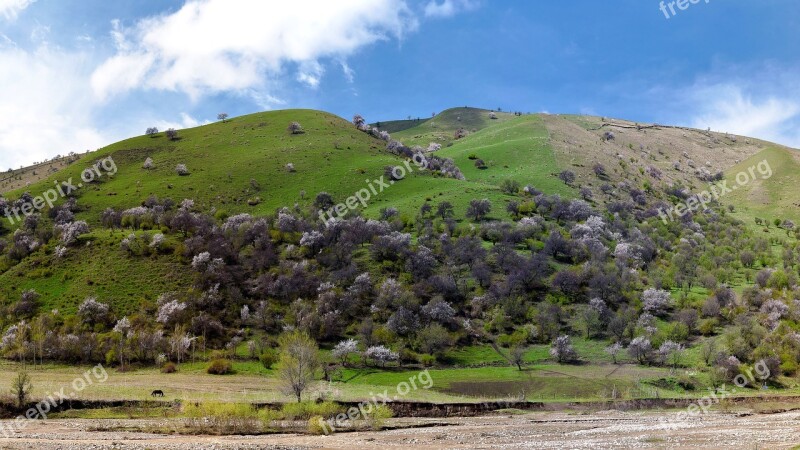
(225, 157)
(771, 198)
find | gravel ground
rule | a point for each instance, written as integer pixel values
(602, 430)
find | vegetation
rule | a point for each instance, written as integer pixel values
(529, 263)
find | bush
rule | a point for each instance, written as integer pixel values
(220, 367)
(268, 358)
(169, 367)
(378, 416)
(307, 410)
(316, 426)
(224, 417)
(427, 360)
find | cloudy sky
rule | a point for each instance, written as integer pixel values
(76, 75)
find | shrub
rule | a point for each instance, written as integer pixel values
(316, 426)
(378, 416)
(220, 367)
(268, 358)
(224, 417)
(472, 156)
(427, 360)
(169, 367)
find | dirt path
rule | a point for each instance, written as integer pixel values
(603, 430)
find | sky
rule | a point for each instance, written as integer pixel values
(79, 75)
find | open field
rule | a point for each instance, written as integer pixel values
(596, 430)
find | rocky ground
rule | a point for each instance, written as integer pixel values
(600, 430)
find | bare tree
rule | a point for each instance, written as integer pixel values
(518, 355)
(222, 116)
(152, 131)
(299, 360)
(172, 134)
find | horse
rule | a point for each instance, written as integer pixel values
(157, 393)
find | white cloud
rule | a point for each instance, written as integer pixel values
(759, 101)
(46, 108)
(212, 46)
(348, 71)
(449, 8)
(727, 108)
(10, 9)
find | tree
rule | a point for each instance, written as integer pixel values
(518, 355)
(172, 134)
(182, 170)
(295, 128)
(323, 201)
(640, 349)
(613, 350)
(21, 387)
(434, 339)
(152, 131)
(444, 210)
(479, 209)
(344, 349)
(509, 187)
(562, 350)
(656, 301)
(299, 360)
(222, 116)
(567, 176)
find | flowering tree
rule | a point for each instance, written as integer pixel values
(613, 350)
(562, 350)
(656, 301)
(640, 349)
(344, 349)
(381, 355)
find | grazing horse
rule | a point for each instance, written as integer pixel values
(158, 393)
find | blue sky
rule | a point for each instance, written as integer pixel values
(79, 75)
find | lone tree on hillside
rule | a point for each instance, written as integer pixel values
(567, 176)
(295, 128)
(299, 361)
(222, 116)
(152, 131)
(172, 134)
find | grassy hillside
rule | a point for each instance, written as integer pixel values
(774, 197)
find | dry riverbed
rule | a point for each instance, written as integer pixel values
(599, 430)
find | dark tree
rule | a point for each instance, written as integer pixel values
(444, 210)
(567, 176)
(479, 209)
(172, 134)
